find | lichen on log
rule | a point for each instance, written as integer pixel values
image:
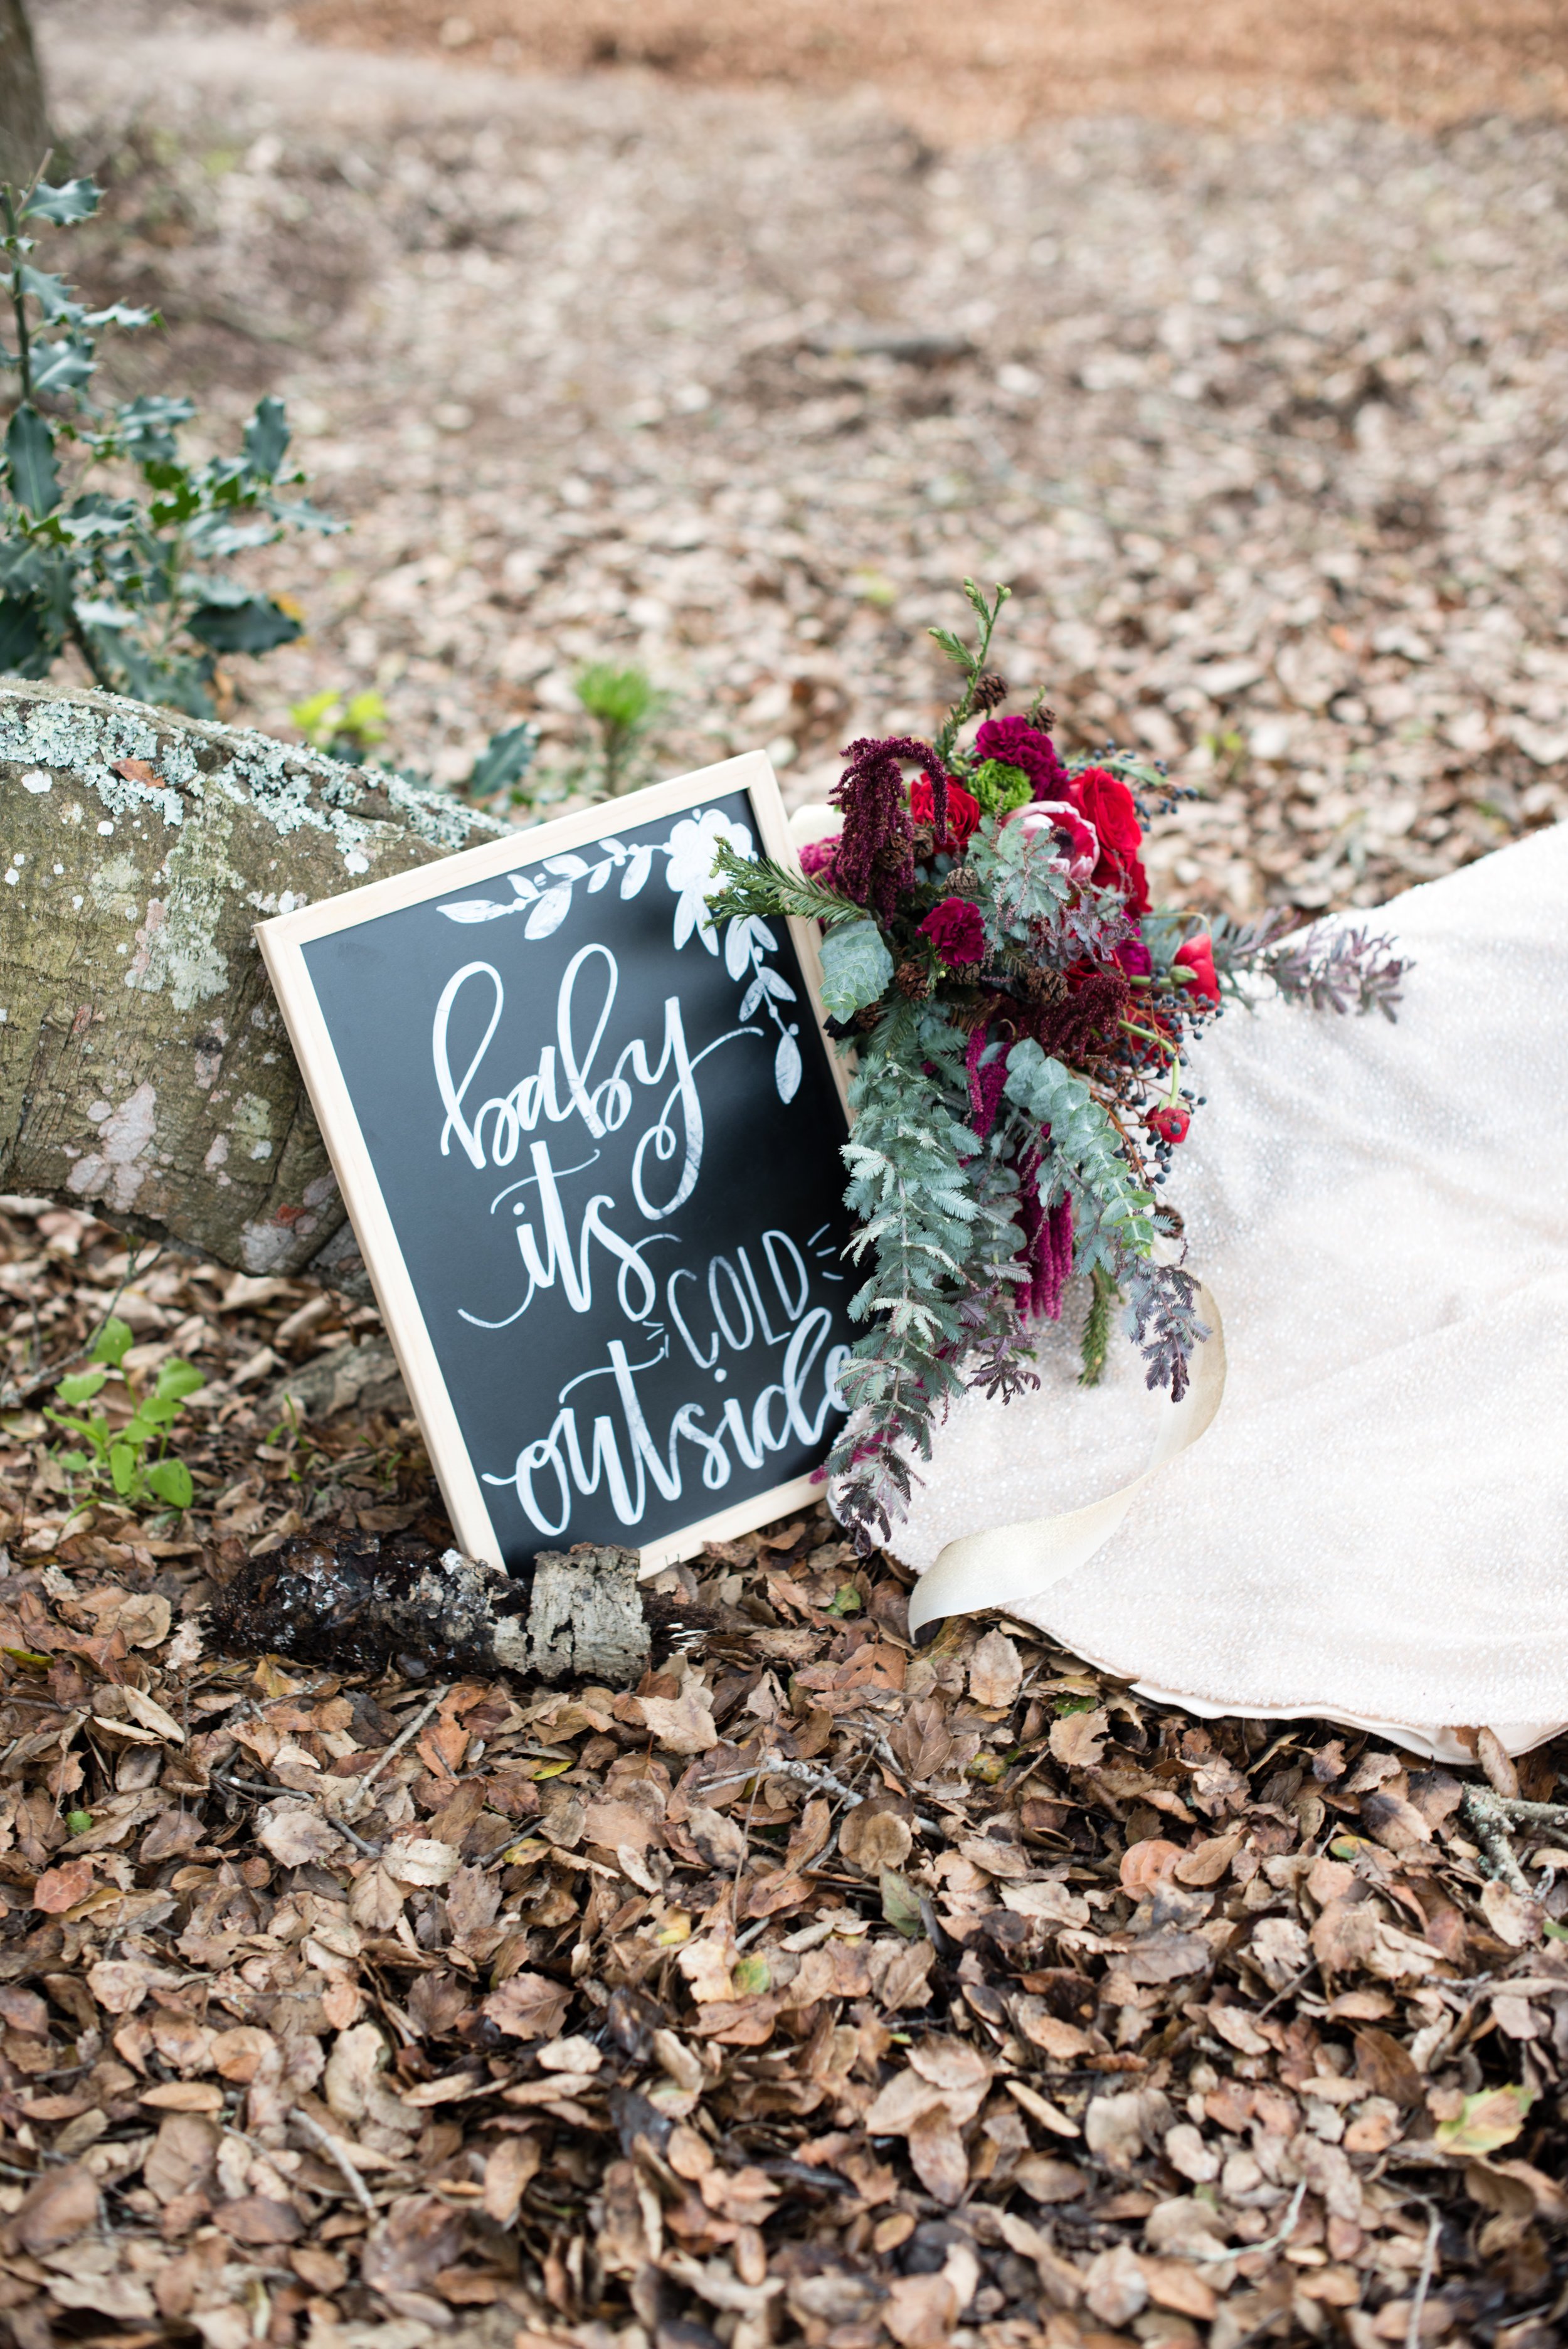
(145, 1070)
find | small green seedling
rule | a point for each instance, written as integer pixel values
(348, 725)
(624, 705)
(132, 1460)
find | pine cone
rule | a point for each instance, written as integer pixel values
(988, 689)
(914, 979)
(1046, 987)
(868, 1017)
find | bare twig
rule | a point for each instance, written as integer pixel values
(404, 1737)
(254, 1786)
(1282, 2234)
(337, 2154)
(1424, 2275)
(1489, 1816)
(806, 1774)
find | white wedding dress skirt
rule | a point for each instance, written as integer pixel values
(1375, 1527)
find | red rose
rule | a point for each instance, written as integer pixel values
(1110, 807)
(1170, 1123)
(956, 930)
(962, 810)
(1197, 955)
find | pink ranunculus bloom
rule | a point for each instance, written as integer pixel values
(816, 857)
(1077, 842)
(1197, 956)
(956, 930)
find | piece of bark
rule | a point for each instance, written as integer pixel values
(585, 1619)
(364, 1376)
(362, 1603)
(145, 1070)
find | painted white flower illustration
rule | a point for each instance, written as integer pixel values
(693, 844)
(689, 853)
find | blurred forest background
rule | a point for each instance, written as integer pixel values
(724, 340)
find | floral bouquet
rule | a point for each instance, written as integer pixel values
(1020, 1018)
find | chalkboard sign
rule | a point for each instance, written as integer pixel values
(590, 1144)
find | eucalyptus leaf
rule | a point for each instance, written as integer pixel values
(856, 967)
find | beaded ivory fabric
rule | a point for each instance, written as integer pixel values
(1374, 1528)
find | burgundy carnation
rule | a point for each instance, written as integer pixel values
(1018, 744)
(817, 858)
(956, 930)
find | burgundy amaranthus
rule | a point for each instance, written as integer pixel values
(873, 862)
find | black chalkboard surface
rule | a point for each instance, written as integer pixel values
(590, 1143)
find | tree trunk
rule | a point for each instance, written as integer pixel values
(24, 126)
(145, 1070)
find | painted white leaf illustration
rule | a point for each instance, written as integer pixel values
(637, 870)
(778, 988)
(475, 909)
(522, 884)
(787, 1068)
(738, 946)
(572, 867)
(752, 998)
(601, 874)
(550, 913)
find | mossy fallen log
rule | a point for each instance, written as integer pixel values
(145, 1070)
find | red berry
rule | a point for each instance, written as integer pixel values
(1170, 1123)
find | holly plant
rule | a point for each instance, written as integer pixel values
(132, 1459)
(110, 540)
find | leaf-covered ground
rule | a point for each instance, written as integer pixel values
(819, 1989)
(1262, 423)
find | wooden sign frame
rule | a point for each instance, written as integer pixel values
(282, 941)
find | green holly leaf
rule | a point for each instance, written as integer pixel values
(255, 626)
(73, 201)
(267, 437)
(30, 456)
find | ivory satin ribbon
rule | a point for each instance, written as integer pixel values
(1011, 1565)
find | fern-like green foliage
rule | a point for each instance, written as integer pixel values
(743, 884)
